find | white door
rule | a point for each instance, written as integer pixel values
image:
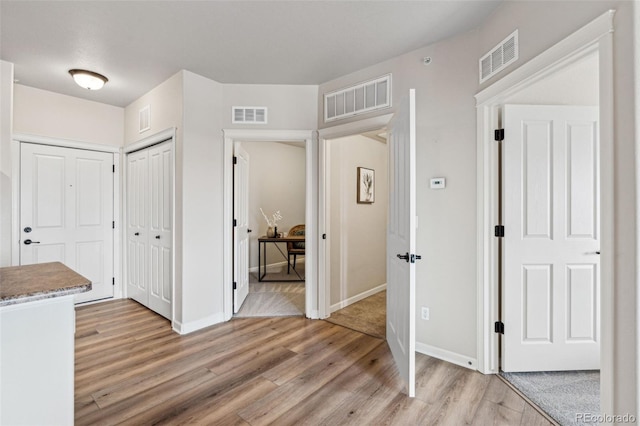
(149, 227)
(66, 212)
(551, 214)
(241, 229)
(160, 229)
(401, 238)
(137, 225)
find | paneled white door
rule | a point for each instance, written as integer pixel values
(401, 240)
(551, 214)
(241, 229)
(149, 227)
(66, 212)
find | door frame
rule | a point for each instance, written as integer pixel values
(167, 135)
(324, 203)
(311, 209)
(595, 37)
(17, 140)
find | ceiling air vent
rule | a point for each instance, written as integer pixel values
(249, 115)
(499, 57)
(354, 100)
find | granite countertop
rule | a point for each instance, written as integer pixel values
(20, 284)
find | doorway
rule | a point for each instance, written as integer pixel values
(358, 230)
(548, 65)
(269, 197)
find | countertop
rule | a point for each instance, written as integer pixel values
(20, 284)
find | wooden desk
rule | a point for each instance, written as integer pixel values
(262, 254)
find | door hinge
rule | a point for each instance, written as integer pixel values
(235, 160)
(498, 327)
(113, 224)
(113, 281)
(235, 222)
(499, 231)
(415, 257)
(498, 134)
(114, 168)
(235, 285)
(324, 236)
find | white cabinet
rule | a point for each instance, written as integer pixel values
(149, 227)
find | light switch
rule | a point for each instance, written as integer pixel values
(438, 183)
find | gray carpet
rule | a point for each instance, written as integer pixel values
(561, 394)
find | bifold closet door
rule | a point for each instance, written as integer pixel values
(149, 227)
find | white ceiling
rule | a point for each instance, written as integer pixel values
(139, 44)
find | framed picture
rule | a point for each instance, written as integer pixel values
(366, 186)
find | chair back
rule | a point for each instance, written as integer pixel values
(297, 230)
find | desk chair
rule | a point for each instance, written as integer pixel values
(294, 249)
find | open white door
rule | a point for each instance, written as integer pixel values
(66, 212)
(401, 240)
(551, 215)
(241, 229)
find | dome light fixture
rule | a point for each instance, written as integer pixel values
(88, 79)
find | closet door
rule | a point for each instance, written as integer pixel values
(160, 235)
(137, 226)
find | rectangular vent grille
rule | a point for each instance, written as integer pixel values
(249, 115)
(144, 119)
(364, 97)
(499, 57)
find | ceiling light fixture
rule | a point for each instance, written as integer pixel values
(88, 79)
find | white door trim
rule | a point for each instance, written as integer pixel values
(324, 197)
(162, 136)
(594, 37)
(17, 139)
(311, 209)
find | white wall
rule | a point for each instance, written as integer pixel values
(6, 123)
(358, 232)
(446, 147)
(43, 113)
(276, 182)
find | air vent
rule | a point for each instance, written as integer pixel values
(144, 119)
(249, 115)
(499, 57)
(364, 97)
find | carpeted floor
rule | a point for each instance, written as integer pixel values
(272, 299)
(367, 316)
(561, 394)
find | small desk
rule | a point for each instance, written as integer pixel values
(262, 254)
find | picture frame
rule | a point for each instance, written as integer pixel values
(366, 182)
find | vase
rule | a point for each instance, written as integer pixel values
(271, 232)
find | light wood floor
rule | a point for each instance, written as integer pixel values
(132, 369)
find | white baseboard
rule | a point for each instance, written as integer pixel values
(452, 357)
(357, 298)
(190, 327)
(278, 265)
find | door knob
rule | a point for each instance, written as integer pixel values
(27, 242)
(157, 237)
(404, 256)
(136, 234)
(27, 229)
(249, 231)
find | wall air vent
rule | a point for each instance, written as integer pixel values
(499, 57)
(355, 100)
(249, 115)
(144, 119)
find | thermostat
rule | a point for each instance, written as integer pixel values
(438, 183)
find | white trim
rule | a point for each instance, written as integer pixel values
(118, 290)
(15, 202)
(593, 37)
(311, 209)
(65, 143)
(324, 204)
(190, 327)
(353, 299)
(154, 139)
(448, 356)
